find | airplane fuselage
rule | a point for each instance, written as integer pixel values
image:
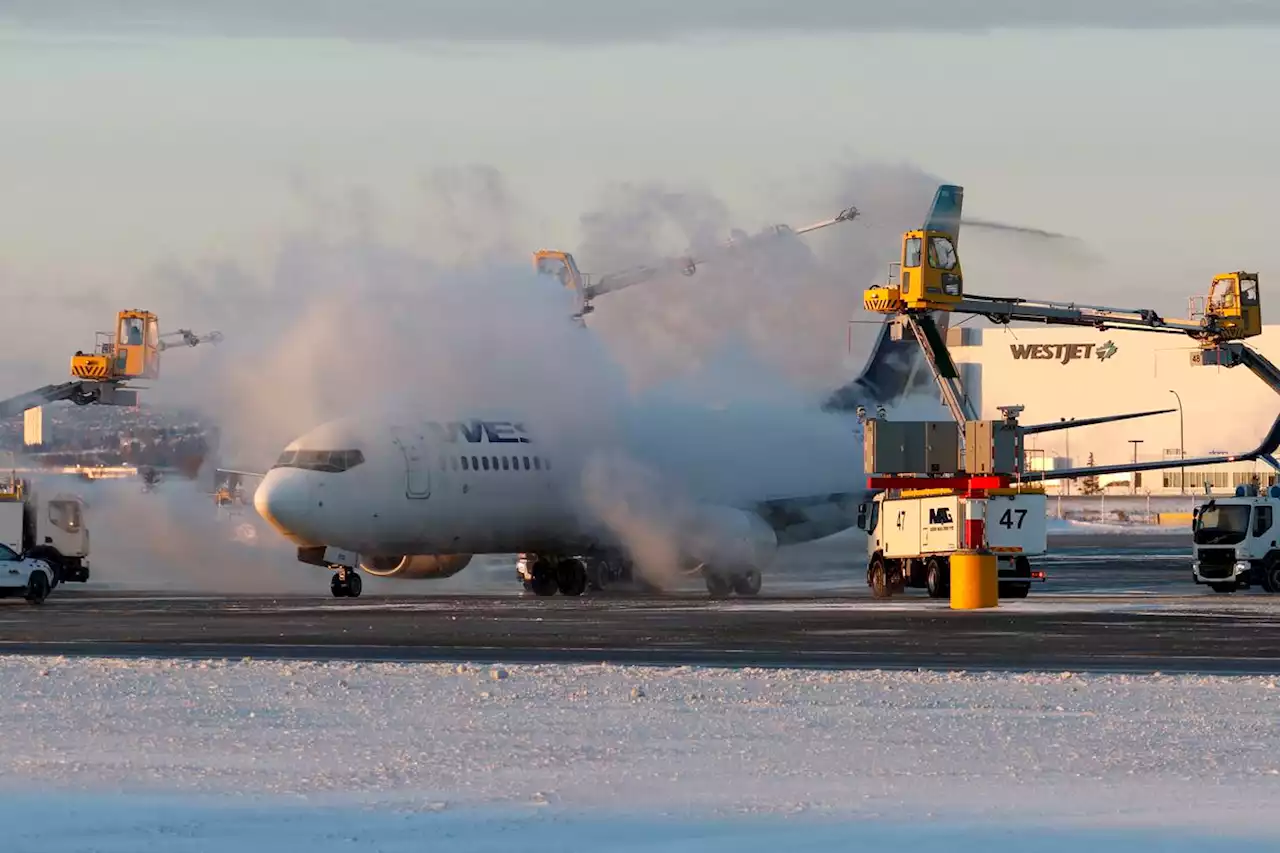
(432, 484)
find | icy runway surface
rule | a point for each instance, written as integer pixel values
(394, 754)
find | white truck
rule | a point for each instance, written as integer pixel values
(25, 576)
(53, 531)
(1234, 541)
(910, 538)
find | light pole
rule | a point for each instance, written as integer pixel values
(1133, 476)
(1182, 445)
(1067, 433)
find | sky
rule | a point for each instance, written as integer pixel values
(150, 137)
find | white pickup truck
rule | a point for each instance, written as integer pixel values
(910, 539)
(25, 576)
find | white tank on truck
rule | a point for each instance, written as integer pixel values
(52, 530)
(1234, 541)
(911, 537)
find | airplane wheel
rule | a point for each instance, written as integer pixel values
(354, 585)
(571, 577)
(337, 587)
(718, 585)
(543, 583)
(748, 583)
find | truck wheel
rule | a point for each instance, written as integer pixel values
(53, 558)
(935, 578)
(878, 578)
(37, 588)
(1017, 589)
(1271, 577)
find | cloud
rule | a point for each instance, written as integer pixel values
(589, 21)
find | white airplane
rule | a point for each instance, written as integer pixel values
(417, 497)
(418, 494)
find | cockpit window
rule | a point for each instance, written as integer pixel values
(327, 461)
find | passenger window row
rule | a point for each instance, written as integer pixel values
(498, 463)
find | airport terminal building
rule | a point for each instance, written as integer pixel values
(1062, 373)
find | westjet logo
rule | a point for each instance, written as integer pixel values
(476, 431)
(1063, 353)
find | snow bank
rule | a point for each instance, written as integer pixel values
(1067, 525)
(1063, 750)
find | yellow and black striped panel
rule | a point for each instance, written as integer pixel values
(90, 366)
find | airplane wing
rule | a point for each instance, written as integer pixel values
(1264, 451)
(1083, 422)
(803, 519)
(254, 474)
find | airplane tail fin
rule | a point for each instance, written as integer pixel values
(897, 368)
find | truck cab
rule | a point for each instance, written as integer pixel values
(52, 530)
(1236, 541)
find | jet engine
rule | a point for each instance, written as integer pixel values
(729, 540)
(416, 566)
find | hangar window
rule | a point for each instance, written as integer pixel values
(327, 461)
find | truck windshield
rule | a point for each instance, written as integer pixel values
(1222, 525)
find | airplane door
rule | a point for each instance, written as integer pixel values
(417, 467)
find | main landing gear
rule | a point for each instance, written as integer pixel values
(721, 584)
(545, 575)
(346, 583)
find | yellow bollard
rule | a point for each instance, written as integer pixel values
(975, 580)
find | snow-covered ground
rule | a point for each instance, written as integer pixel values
(116, 755)
(1068, 525)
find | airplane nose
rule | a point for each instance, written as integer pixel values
(283, 499)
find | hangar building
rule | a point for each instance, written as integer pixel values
(1065, 372)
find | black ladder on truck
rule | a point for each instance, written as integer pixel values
(945, 372)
